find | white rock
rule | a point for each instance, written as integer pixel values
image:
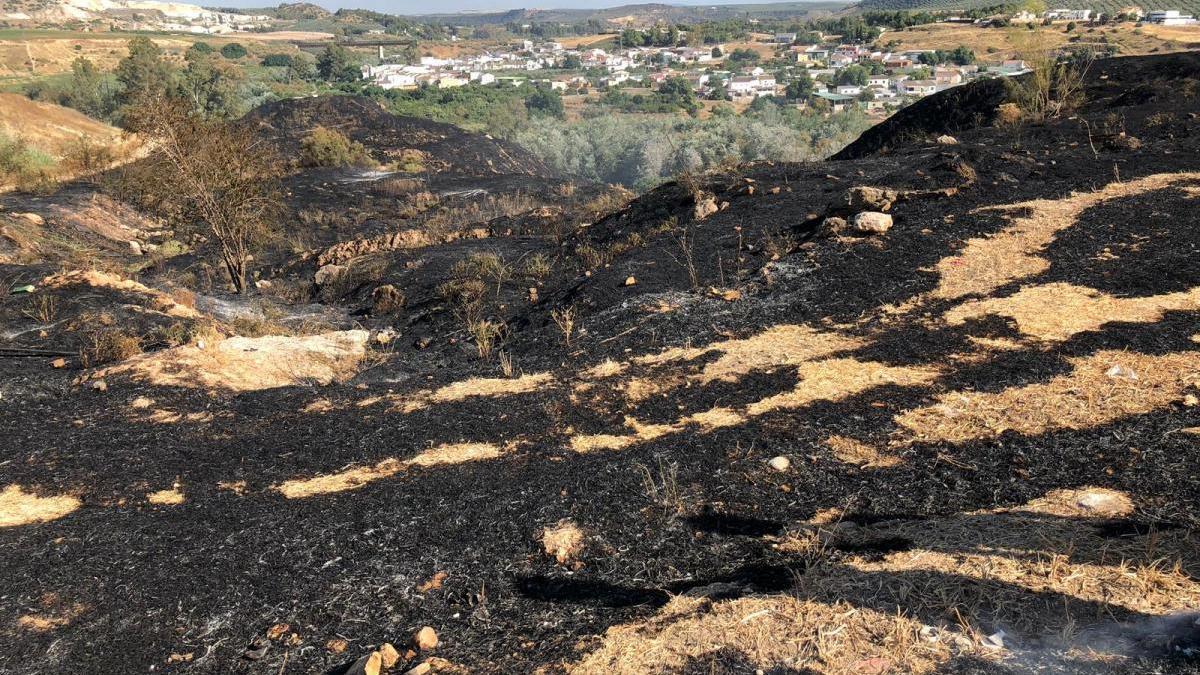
(1120, 372)
(872, 222)
(780, 463)
(327, 273)
(947, 140)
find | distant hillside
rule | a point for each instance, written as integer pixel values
(50, 127)
(641, 13)
(1110, 7)
(296, 11)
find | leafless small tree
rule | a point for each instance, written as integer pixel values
(217, 175)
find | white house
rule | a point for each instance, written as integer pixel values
(848, 90)
(1170, 17)
(919, 87)
(1069, 14)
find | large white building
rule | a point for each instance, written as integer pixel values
(1069, 15)
(1170, 17)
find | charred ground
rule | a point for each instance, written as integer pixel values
(989, 413)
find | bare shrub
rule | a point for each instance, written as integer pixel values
(1054, 85)
(686, 238)
(564, 318)
(590, 257)
(485, 333)
(410, 160)
(507, 365)
(217, 174)
(663, 488)
(538, 266)
(41, 308)
(84, 156)
(108, 345)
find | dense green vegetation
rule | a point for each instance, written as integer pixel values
(643, 150)
(21, 164)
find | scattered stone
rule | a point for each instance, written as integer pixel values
(256, 649)
(774, 190)
(32, 218)
(630, 281)
(327, 273)
(833, 226)
(865, 198)
(336, 645)
(58, 363)
(389, 655)
(947, 140)
(135, 247)
(872, 222)
(1120, 372)
(780, 463)
(1191, 401)
(705, 208)
(419, 669)
(262, 284)
(994, 641)
(370, 664)
(433, 583)
(425, 639)
(99, 385)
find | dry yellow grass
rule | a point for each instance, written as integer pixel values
(773, 632)
(154, 299)
(18, 507)
(36, 56)
(986, 263)
(54, 614)
(1085, 398)
(1058, 311)
(783, 345)
(852, 451)
(563, 540)
(54, 128)
(241, 364)
(836, 379)
(994, 44)
(483, 387)
(357, 477)
(170, 497)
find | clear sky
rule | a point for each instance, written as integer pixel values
(447, 6)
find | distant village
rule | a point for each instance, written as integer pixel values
(885, 80)
(882, 81)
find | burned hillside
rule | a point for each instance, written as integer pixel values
(442, 148)
(733, 424)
